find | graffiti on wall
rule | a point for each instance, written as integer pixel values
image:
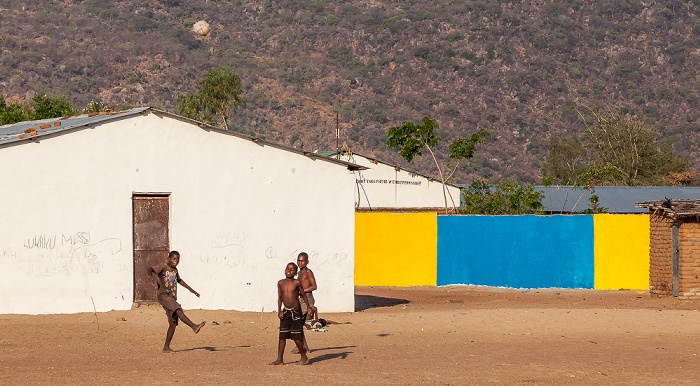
(65, 253)
(226, 248)
(234, 249)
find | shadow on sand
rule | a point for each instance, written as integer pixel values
(331, 348)
(329, 356)
(363, 302)
(209, 348)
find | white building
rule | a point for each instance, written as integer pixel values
(88, 203)
(383, 186)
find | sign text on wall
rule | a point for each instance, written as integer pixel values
(395, 182)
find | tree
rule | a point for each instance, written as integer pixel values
(592, 176)
(45, 107)
(565, 159)
(95, 107)
(505, 198)
(412, 138)
(628, 144)
(219, 93)
(14, 112)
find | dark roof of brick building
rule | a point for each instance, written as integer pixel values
(674, 208)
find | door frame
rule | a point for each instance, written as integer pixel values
(141, 195)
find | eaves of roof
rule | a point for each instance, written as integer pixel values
(28, 131)
(673, 208)
(32, 130)
(333, 153)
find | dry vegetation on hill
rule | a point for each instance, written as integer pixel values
(506, 66)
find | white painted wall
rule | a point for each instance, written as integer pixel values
(239, 213)
(382, 186)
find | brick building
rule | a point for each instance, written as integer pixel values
(674, 247)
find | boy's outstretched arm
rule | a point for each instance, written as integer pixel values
(182, 283)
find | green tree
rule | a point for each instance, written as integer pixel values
(592, 176)
(565, 160)
(45, 107)
(219, 94)
(14, 112)
(628, 144)
(504, 198)
(412, 138)
(96, 107)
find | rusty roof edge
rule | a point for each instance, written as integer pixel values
(143, 110)
(262, 142)
(104, 118)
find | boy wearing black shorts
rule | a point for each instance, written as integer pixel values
(289, 290)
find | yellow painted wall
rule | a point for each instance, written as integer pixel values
(621, 251)
(395, 249)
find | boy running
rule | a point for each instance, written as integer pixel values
(166, 277)
(289, 290)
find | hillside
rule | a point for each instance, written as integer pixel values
(509, 67)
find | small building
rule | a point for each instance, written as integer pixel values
(674, 247)
(89, 202)
(383, 187)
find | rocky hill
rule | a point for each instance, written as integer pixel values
(506, 66)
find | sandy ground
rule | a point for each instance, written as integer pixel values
(421, 335)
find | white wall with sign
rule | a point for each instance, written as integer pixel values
(388, 186)
(239, 212)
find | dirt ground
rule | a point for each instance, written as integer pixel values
(420, 335)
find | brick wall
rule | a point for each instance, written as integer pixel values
(689, 258)
(660, 258)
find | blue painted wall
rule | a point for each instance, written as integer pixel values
(516, 251)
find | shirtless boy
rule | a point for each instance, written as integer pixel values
(289, 290)
(165, 275)
(308, 282)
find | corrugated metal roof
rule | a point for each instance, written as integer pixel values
(28, 130)
(618, 199)
(31, 130)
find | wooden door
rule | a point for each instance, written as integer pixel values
(151, 241)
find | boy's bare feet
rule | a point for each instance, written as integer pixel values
(199, 327)
(277, 362)
(168, 350)
(304, 360)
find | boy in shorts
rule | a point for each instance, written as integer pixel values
(308, 282)
(291, 318)
(165, 275)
